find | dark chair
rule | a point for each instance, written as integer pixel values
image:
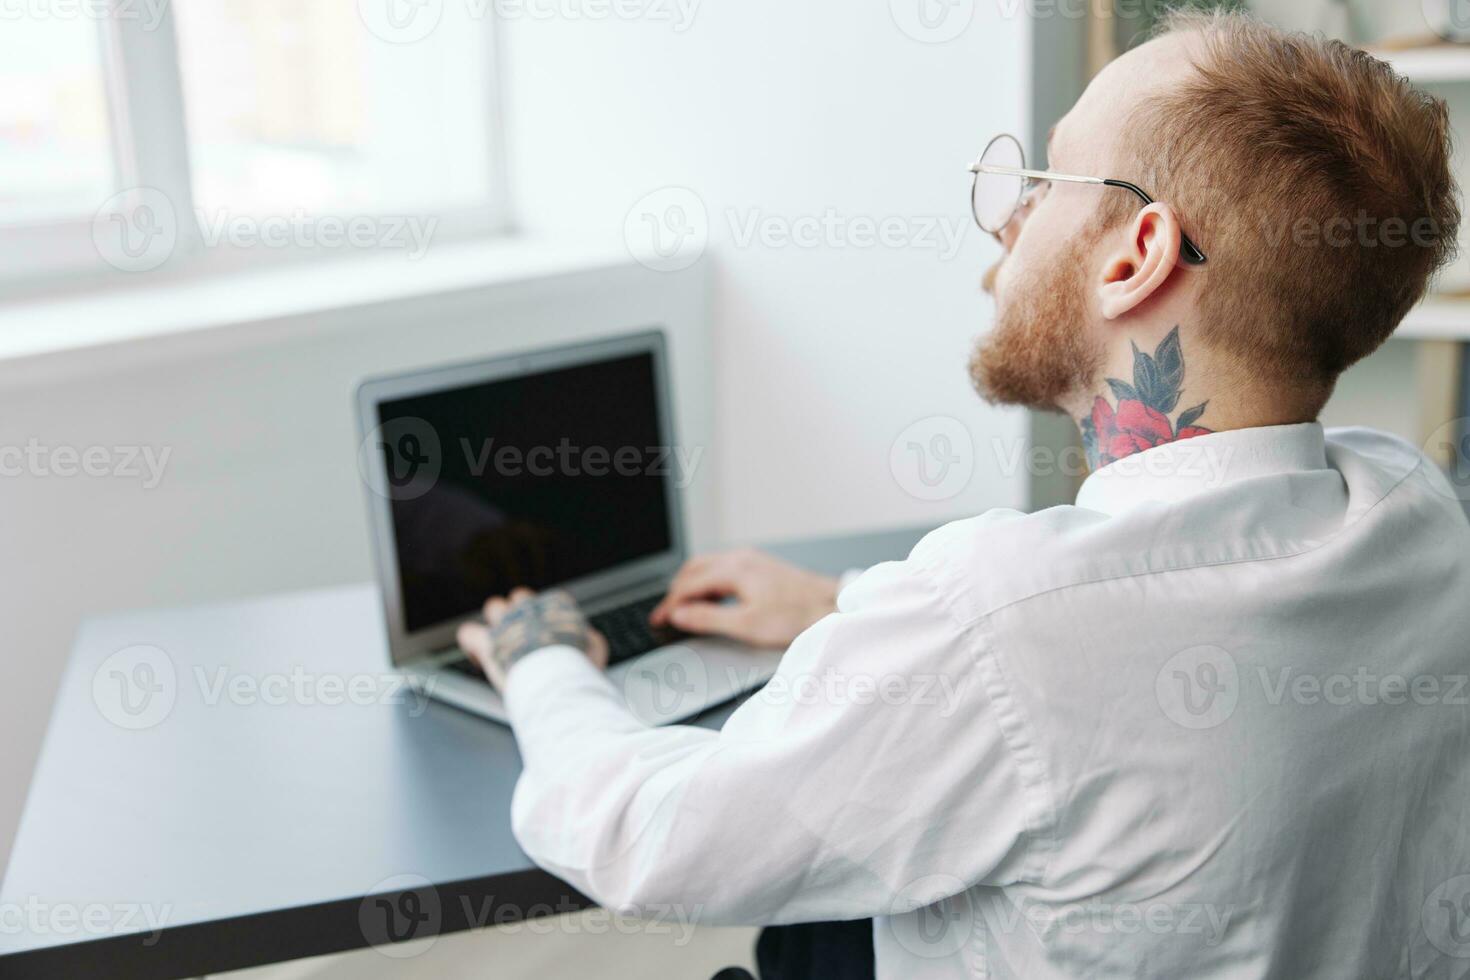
(824, 950)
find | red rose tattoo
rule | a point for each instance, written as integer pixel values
(1141, 420)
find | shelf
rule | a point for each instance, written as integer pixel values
(1441, 63)
(1437, 318)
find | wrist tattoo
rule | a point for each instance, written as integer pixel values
(549, 619)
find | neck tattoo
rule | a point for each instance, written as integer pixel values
(1141, 420)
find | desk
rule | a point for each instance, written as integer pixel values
(252, 823)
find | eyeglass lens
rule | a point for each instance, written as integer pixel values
(995, 196)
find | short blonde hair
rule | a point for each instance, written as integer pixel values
(1316, 180)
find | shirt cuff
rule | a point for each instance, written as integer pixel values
(557, 693)
(848, 577)
(549, 667)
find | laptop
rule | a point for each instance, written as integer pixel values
(554, 468)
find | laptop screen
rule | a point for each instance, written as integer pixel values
(540, 479)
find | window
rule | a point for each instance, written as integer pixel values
(55, 155)
(199, 135)
(293, 104)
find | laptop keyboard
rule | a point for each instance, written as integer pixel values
(465, 665)
(627, 630)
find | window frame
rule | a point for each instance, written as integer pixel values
(144, 89)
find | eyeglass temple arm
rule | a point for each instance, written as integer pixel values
(988, 168)
(1188, 250)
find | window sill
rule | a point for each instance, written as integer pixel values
(216, 309)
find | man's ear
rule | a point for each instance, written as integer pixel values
(1143, 263)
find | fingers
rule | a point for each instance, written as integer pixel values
(699, 566)
(474, 640)
(598, 651)
(715, 578)
(495, 609)
(711, 617)
(660, 614)
(496, 606)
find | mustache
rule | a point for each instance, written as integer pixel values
(987, 281)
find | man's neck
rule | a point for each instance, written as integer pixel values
(1148, 400)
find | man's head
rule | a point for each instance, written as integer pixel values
(1315, 179)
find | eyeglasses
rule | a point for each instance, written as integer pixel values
(1001, 183)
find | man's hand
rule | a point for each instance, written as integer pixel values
(524, 623)
(775, 601)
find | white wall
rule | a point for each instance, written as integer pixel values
(783, 111)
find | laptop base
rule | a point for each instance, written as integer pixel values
(661, 687)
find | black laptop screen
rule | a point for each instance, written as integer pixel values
(531, 480)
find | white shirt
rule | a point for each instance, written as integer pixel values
(1210, 722)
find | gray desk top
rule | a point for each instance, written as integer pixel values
(277, 796)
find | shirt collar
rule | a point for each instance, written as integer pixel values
(1177, 470)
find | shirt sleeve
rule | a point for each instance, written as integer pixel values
(868, 777)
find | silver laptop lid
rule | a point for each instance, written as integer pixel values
(554, 467)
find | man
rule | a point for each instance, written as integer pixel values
(1209, 722)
